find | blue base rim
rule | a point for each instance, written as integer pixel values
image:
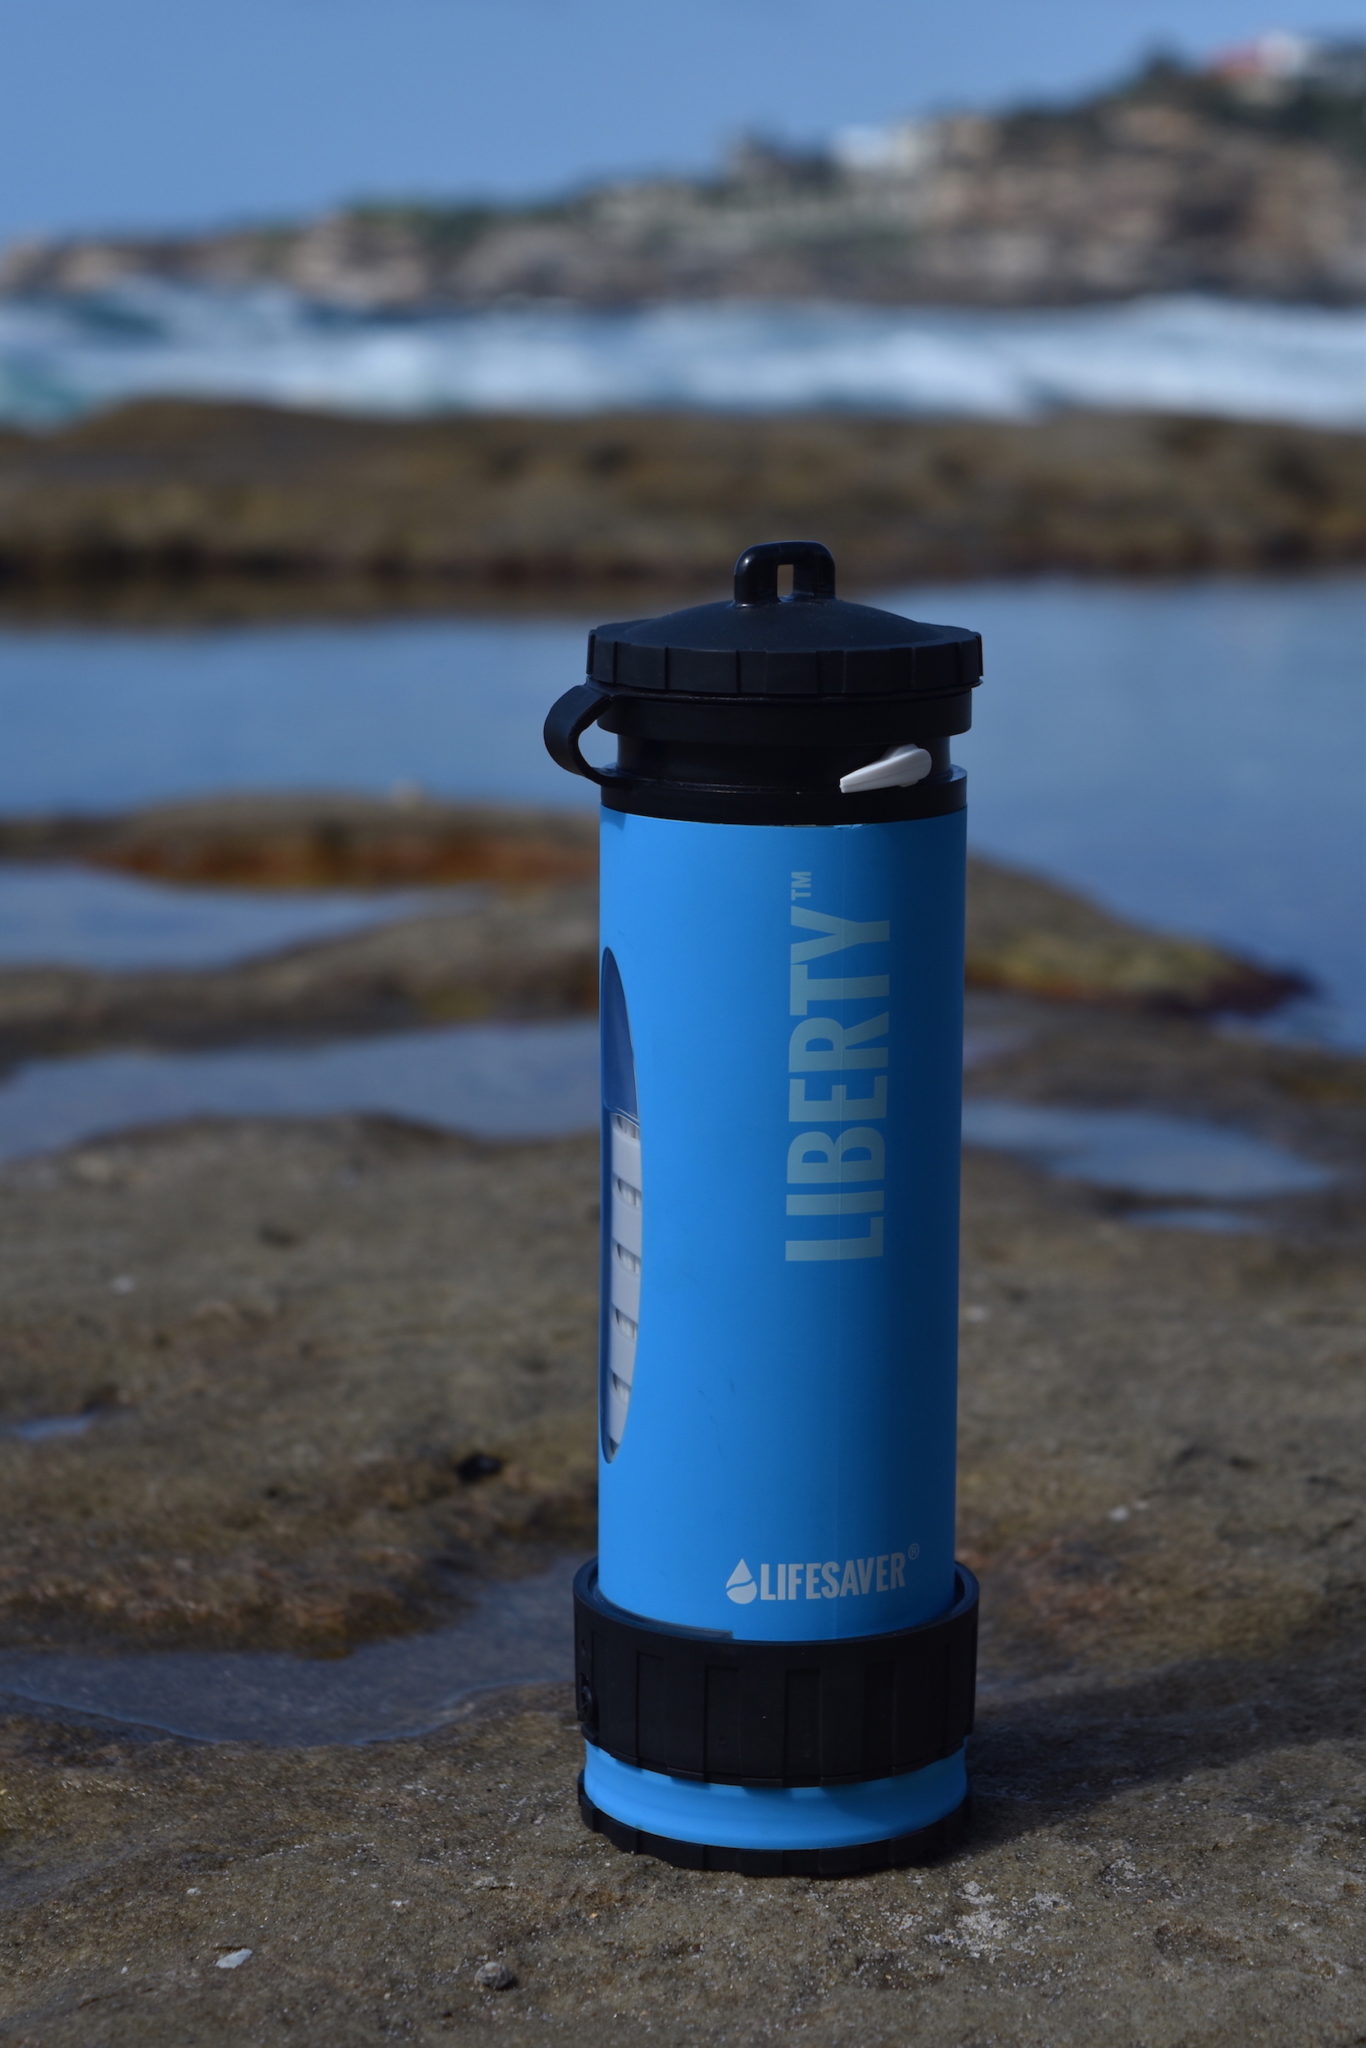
(930, 1844)
(771, 1818)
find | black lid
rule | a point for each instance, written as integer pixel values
(811, 644)
(772, 711)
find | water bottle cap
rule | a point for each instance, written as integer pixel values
(810, 644)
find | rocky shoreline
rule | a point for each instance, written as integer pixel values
(201, 501)
(330, 1381)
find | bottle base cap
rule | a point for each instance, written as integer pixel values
(930, 1844)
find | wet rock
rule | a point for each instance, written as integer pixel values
(1034, 938)
(185, 495)
(528, 950)
(335, 841)
(523, 954)
(310, 841)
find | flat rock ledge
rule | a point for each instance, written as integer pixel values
(328, 1377)
(180, 494)
(294, 1337)
(525, 947)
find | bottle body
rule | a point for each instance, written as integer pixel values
(774, 1650)
(777, 1460)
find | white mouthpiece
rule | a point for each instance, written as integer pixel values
(896, 769)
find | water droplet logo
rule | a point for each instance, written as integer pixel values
(740, 1586)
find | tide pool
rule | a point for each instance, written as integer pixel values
(1192, 754)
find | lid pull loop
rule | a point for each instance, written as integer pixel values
(568, 721)
(756, 572)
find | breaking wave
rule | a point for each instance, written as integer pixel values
(61, 358)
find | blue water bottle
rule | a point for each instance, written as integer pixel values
(775, 1651)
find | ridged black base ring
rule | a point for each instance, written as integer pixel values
(899, 1852)
(829, 1711)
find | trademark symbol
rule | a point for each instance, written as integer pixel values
(801, 883)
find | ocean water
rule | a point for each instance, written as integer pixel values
(536, 1080)
(505, 1080)
(61, 914)
(1193, 755)
(63, 357)
(1141, 1152)
(512, 1632)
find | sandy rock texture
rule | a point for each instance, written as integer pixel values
(298, 1349)
(1161, 1479)
(1163, 1864)
(290, 1339)
(179, 493)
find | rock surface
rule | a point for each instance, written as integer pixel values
(298, 1349)
(308, 1386)
(1161, 1474)
(319, 841)
(534, 955)
(291, 1338)
(173, 494)
(529, 949)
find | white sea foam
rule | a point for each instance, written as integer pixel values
(64, 358)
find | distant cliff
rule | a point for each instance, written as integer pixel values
(1175, 182)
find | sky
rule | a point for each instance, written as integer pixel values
(162, 113)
